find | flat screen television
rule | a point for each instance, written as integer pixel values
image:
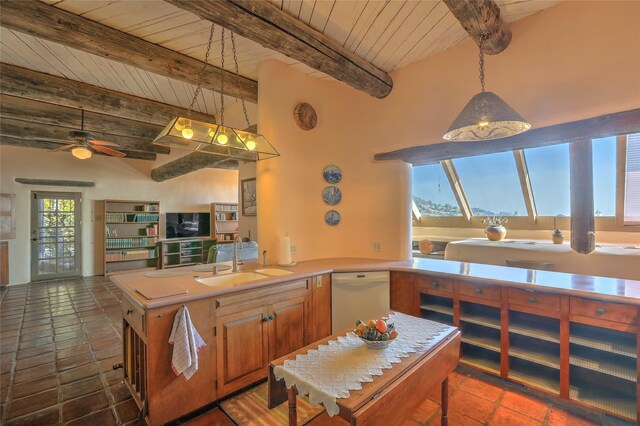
(186, 225)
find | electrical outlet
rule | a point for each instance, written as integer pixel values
(377, 246)
(293, 249)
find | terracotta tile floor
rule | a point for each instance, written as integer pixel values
(59, 339)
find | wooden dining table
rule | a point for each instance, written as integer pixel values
(392, 397)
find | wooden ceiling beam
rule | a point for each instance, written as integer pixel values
(264, 23)
(27, 143)
(14, 108)
(191, 163)
(25, 83)
(479, 17)
(48, 22)
(618, 123)
(29, 131)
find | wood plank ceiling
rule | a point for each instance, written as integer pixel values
(388, 33)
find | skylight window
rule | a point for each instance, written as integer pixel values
(432, 193)
(492, 184)
(549, 174)
(604, 176)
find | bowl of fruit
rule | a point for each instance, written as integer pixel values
(377, 334)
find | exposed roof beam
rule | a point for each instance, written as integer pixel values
(14, 108)
(479, 17)
(43, 87)
(28, 143)
(264, 23)
(190, 163)
(28, 132)
(48, 22)
(618, 123)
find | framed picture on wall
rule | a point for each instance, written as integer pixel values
(7, 216)
(249, 205)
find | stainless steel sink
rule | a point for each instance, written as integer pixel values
(237, 278)
(272, 272)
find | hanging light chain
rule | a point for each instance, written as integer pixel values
(201, 76)
(235, 62)
(222, 80)
(481, 40)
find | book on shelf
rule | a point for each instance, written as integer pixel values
(111, 232)
(132, 217)
(137, 254)
(152, 231)
(226, 208)
(130, 242)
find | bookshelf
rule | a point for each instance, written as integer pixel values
(131, 234)
(225, 221)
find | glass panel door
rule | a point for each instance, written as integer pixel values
(55, 235)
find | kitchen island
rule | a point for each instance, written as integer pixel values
(553, 332)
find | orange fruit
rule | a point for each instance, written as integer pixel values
(371, 324)
(381, 326)
(393, 334)
(362, 327)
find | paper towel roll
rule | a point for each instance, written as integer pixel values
(285, 250)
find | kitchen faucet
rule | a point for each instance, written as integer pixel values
(235, 254)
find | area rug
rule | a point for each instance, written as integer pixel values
(250, 408)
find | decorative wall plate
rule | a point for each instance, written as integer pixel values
(332, 174)
(332, 195)
(305, 116)
(332, 218)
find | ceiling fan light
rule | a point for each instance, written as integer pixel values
(485, 117)
(81, 152)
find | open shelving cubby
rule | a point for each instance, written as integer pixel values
(130, 235)
(436, 308)
(185, 252)
(225, 221)
(480, 325)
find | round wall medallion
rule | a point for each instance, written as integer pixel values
(332, 218)
(332, 174)
(332, 195)
(305, 116)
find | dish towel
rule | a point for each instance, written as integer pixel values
(186, 343)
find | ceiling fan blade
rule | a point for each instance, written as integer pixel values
(109, 151)
(63, 147)
(103, 143)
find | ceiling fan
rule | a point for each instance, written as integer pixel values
(84, 143)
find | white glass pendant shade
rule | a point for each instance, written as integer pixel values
(485, 117)
(81, 152)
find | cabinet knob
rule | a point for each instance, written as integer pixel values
(129, 311)
(435, 284)
(601, 311)
(269, 318)
(532, 300)
(478, 290)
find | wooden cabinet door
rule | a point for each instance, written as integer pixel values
(320, 315)
(403, 296)
(243, 349)
(287, 328)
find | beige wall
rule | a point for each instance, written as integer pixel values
(115, 179)
(569, 62)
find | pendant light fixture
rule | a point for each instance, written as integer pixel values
(211, 138)
(486, 116)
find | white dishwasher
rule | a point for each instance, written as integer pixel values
(357, 295)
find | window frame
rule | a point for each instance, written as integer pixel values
(532, 221)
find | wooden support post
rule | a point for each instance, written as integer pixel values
(582, 216)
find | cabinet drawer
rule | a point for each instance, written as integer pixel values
(433, 283)
(616, 312)
(534, 299)
(490, 292)
(134, 316)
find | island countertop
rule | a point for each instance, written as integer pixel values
(184, 281)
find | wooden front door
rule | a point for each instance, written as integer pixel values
(243, 347)
(55, 235)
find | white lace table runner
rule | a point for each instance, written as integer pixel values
(342, 365)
